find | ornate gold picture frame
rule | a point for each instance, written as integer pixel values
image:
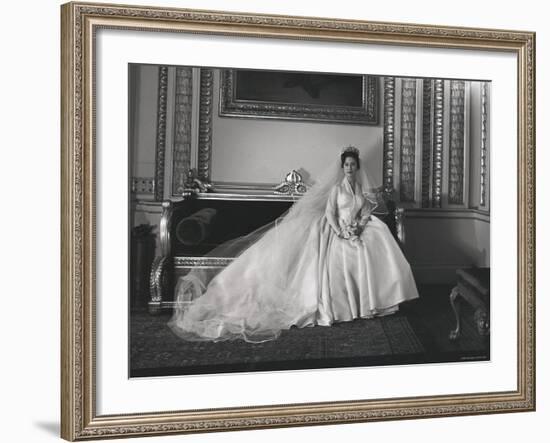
(80, 419)
(360, 104)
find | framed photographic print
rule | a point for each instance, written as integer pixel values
(256, 206)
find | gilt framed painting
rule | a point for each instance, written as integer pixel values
(291, 201)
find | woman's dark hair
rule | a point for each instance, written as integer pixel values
(351, 154)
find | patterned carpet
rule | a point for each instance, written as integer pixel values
(155, 350)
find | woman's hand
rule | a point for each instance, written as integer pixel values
(364, 220)
(356, 230)
(349, 231)
(352, 233)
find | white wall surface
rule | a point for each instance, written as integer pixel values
(275, 147)
(436, 245)
(29, 112)
(145, 128)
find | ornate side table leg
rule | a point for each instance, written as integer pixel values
(455, 333)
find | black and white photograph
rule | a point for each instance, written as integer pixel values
(275, 221)
(285, 220)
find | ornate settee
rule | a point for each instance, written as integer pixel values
(192, 227)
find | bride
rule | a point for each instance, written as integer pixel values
(329, 259)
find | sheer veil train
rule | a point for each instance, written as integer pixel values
(276, 279)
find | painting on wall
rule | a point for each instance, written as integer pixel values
(323, 97)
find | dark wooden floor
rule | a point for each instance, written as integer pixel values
(418, 333)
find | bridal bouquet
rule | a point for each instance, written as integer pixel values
(351, 232)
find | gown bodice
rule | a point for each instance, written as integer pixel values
(350, 203)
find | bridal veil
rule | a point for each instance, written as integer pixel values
(273, 281)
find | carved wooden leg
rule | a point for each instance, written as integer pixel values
(455, 333)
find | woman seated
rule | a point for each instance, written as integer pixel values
(328, 260)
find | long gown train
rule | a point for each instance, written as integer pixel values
(274, 285)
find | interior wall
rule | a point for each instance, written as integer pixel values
(439, 243)
(142, 139)
(253, 150)
(144, 113)
(441, 240)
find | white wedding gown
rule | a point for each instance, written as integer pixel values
(275, 284)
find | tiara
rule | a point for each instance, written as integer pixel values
(350, 149)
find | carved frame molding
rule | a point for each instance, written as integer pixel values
(79, 418)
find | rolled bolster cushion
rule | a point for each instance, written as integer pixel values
(194, 229)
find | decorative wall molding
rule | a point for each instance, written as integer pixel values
(456, 143)
(408, 141)
(143, 185)
(447, 213)
(427, 140)
(182, 129)
(389, 134)
(161, 132)
(205, 124)
(484, 150)
(437, 166)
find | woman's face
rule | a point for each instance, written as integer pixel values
(350, 167)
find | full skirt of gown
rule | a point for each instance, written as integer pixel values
(274, 285)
